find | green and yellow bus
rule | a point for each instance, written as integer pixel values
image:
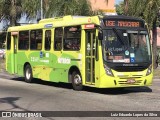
(95, 51)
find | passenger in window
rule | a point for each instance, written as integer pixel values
(68, 45)
(26, 46)
(57, 45)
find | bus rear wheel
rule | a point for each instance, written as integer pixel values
(77, 81)
(28, 74)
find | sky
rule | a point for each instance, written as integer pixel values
(22, 20)
(118, 1)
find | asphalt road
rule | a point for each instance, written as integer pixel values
(16, 95)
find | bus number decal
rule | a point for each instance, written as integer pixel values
(64, 60)
(34, 59)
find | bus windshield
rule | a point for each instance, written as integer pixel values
(126, 46)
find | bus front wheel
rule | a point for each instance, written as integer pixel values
(77, 81)
(28, 74)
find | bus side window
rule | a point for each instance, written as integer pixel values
(36, 39)
(47, 39)
(8, 40)
(23, 42)
(58, 35)
(72, 38)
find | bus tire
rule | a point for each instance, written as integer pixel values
(28, 74)
(76, 81)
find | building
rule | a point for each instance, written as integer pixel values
(158, 37)
(102, 5)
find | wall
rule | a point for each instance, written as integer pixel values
(107, 8)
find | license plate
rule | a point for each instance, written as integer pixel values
(131, 81)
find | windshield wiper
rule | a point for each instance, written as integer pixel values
(120, 38)
(123, 42)
(138, 37)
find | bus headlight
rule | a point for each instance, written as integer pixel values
(149, 71)
(108, 70)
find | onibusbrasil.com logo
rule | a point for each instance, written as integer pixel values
(21, 114)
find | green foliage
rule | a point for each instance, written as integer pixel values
(53, 8)
(120, 8)
(146, 9)
(12, 10)
(31, 8)
(68, 7)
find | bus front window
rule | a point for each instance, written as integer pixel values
(114, 45)
(126, 47)
(139, 46)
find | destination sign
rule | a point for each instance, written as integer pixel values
(123, 23)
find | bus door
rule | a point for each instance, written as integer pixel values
(15, 53)
(45, 56)
(47, 48)
(90, 56)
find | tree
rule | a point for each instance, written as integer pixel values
(126, 6)
(52, 8)
(11, 11)
(69, 7)
(120, 8)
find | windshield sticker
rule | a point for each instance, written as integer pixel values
(110, 57)
(118, 60)
(132, 55)
(110, 38)
(125, 34)
(127, 60)
(132, 59)
(113, 49)
(118, 57)
(126, 52)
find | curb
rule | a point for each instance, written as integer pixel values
(156, 77)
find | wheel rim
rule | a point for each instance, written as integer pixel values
(77, 79)
(28, 74)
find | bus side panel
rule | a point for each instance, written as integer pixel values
(10, 58)
(59, 75)
(10, 62)
(47, 68)
(21, 61)
(37, 64)
(60, 67)
(62, 64)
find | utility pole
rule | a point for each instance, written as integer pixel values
(41, 9)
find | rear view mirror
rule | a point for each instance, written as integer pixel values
(100, 35)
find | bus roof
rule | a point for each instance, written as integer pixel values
(70, 20)
(58, 22)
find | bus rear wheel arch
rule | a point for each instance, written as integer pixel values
(28, 73)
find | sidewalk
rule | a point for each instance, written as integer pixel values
(157, 70)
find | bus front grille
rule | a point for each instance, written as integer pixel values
(129, 76)
(126, 82)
